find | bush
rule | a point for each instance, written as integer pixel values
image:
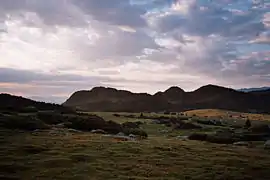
(112, 127)
(167, 112)
(138, 132)
(198, 136)
(220, 139)
(187, 125)
(22, 122)
(51, 117)
(116, 115)
(93, 122)
(132, 124)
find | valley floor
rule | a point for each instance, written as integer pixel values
(41, 155)
(47, 154)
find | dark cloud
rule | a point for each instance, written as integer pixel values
(8, 75)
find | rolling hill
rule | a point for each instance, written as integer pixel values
(173, 99)
(17, 103)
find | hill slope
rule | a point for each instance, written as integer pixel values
(173, 99)
(16, 103)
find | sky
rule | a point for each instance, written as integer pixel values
(50, 49)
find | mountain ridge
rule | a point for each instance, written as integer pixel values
(172, 99)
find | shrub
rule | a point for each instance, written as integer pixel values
(138, 132)
(220, 139)
(187, 125)
(167, 112)
(112, 127)
(51, 117)
(22, 122)
(131, 124)
(198, 136)
(93, 122)
(116, 115)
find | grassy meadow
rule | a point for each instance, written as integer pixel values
(82, 155)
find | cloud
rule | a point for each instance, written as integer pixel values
(195, 18)
(51, 48)
(266, 19)
(262, 38)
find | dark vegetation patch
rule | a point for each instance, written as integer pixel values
(230, 137)
(45, 116)
(28, 123)
(135, 131)
(133, 125)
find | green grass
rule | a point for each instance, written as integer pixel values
(41, 155)
(87, 156)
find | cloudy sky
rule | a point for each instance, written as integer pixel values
(49, 49)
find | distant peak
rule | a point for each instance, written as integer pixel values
(102, 88)
(174, 89)
(213, 88)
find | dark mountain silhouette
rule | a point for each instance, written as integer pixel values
(17, 103)
(173, 99)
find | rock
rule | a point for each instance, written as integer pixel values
(60, 125)
(267, 144)
(132, 136)
(164, 131)
(74, 131)
(98, 131)
(241, 143)
(120, 134)
(156, 121)
(122, 138)
(182, 137)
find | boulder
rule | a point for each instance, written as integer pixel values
(74, 131)
(267, 144)
(60, 125)
(122, 138)
(98, 131)
(132, 136)
(184, 138)
(242, 143)
(120, 134)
